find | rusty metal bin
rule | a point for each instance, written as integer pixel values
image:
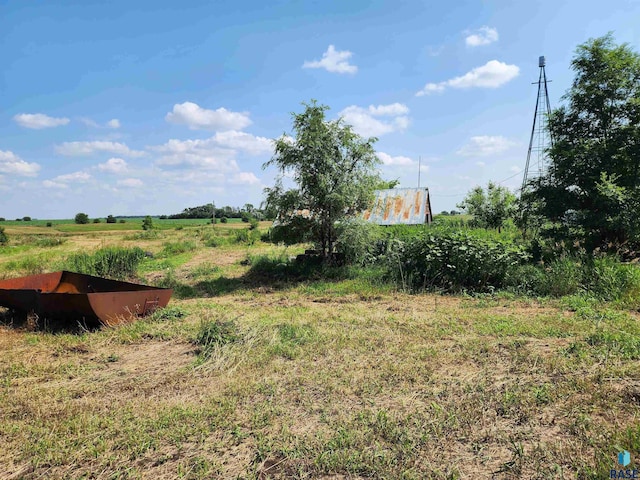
(75, 296)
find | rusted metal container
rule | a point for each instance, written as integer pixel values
(73, 296)
(409, 206)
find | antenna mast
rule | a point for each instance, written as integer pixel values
(541, 139)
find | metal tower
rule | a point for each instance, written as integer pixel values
(540, 137)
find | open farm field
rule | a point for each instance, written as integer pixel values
(250, 373)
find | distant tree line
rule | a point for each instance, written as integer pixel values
(247, 212)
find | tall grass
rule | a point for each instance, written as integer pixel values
(112, 262)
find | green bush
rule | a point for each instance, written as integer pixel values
(96, 220)
(3, 237)
(452, 261)
(224, 220)
(176, 248)
(112, 262)
(147, 223)
(49, 224)
(357, 241)
(81, 218)
(111, 219)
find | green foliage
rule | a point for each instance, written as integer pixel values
(357, 241)
(224, 220)
(213, 334)
(111, 219)
(112, 262)
(452, 261)
(49, 224)
(81, 218)
(147, 223)
(253, 223)
(333, 170)
(96, 220)
(3, 237)
(176, 248)
(26, 219)
(592, 189)
(491, 208)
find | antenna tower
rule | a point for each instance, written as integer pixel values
(540, 137)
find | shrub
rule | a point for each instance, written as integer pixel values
(147, 223)
(81, 218)
(26, 219)
(49, 224)
(111, 262)
(96, 220)
(122, 220)
(2, 219)
(357, 241)
(111, 219)
(176, 248)
(3, 237)
(224, 220)
(253, 223)
(452, 261)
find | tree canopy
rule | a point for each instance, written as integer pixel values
(491, 208)
(592, 187)
(333, 171)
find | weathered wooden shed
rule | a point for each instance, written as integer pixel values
(407, 206)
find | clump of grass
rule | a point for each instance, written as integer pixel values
(112, 262)
(46, 241)
(171, 312)
(180, 289)
(213, 334)
(176, 248)
(144, 235)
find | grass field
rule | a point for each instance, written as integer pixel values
(248, 376)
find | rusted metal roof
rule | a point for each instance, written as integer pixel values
(70, 296)
(408, 206)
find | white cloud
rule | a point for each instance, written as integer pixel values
(243, 141)
(395, 161)
(485, 145)
(74, 149)
(198, 118)
(244, 178)
(113, 123)
(75, 177)
(130, 182)
(483, 36)
(364, 123)
(493, 74)
(52, 184)
(333, 61)
(113, 165)
(13, 164)
(38, 121)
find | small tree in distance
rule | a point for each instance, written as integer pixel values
(82, 218)
(491, 208)
(147, 223)
(111, 219)
(334, 171)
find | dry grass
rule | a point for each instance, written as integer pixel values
(324, 380)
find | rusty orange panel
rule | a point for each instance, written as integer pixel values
(410, 206)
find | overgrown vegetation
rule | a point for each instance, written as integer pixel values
(112, 262)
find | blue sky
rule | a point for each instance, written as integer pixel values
(143, 107)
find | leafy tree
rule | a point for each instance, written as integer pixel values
(3, 237)
(82, 218)
(147, 223)
(592, 188)
(26, 219)
(491, 208)
(111, 219)
(333, 170)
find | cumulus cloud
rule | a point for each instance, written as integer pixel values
(334, 61)
(244, 178)
(493, 74)
(39, 121)
(483, 36)
(12, 164)
(485, 145)
(218, 151)
(395, 161)
(198, 118)
(365, 123)
(130, 182)
(74, 149)
(75, 177)
(113, 165)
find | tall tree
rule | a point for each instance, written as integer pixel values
(334, 174)
(592, 188)
(491, 208)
